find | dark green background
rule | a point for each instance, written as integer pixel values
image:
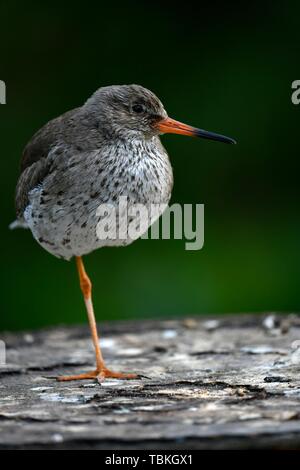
(225, 68)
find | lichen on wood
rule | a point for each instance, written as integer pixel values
(227, 382)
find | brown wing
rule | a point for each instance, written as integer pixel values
(31, 177)
(34, 167)
(35, 162)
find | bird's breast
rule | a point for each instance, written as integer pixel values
(63, 213)
(141, 171)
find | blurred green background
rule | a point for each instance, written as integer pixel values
(225, 68)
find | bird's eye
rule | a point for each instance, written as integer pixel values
(138, 108)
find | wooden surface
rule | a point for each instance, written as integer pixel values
(223, 382)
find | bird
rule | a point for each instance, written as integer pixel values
(93, 155)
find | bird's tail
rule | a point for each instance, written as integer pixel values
(18, 223)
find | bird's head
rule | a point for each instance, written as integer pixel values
(134, 111)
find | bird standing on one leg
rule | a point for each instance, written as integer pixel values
(95, 154)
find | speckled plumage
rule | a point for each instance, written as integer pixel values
(99, 154)
(89, 156)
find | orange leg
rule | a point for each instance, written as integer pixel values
(101, 371)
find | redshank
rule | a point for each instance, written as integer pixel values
(92, 155)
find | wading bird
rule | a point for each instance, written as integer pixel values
(106, 149)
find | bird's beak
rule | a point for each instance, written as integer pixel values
(171, 126)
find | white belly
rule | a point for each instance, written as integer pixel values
(74, 224)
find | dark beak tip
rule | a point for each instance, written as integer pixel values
(213, 136)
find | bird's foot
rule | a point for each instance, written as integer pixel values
(99, 374)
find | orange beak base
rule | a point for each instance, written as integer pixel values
(170, 126)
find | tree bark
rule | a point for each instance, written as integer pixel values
(228, 382)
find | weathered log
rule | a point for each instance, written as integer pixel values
(228, 382)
